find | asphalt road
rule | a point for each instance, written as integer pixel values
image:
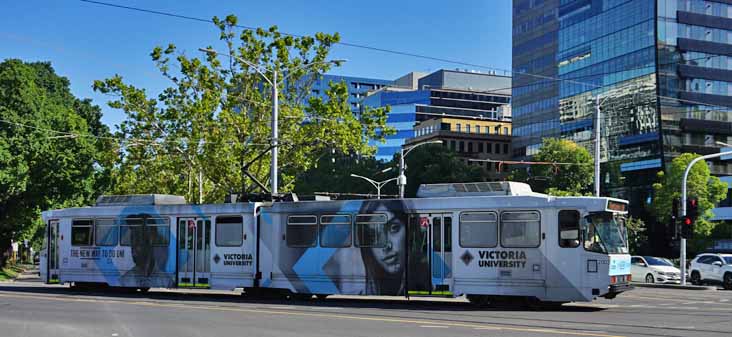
(29, 308)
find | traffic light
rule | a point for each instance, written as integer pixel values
(687, 223)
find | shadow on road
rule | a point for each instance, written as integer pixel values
(396, 303)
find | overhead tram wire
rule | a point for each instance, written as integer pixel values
(403, 53)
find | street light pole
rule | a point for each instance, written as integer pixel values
(377, 184)
(682, 248)
(597, 146)
(402, 178)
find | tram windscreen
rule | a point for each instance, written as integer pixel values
(605, 232)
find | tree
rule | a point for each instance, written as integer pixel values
(435, 164)
(637, 236)
(214, 119)
(573, 174)
(333, 174)
(708, 189)
(51, 155)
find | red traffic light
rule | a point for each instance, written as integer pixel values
(687, 221)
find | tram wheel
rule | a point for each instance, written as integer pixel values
(321, 296)
(301, 297)
(479, 300)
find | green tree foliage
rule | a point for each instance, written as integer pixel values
(214, 118)
(637, 236)
(333, 174)
(41, 168)
(561, 179)
(434, 164)
(708, 189)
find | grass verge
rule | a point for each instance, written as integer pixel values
(9, 272)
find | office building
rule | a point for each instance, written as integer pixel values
(461, 94)
(358, 87)
(660, 69)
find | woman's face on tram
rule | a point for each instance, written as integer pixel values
(390, 256)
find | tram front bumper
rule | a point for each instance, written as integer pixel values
(616, 289)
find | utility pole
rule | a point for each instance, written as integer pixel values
(597, 146)
(275, 132)
(377, 184)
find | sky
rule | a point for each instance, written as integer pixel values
(86, 42)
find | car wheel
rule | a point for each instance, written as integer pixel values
(649, 279)
(727, 284)
(696, 278)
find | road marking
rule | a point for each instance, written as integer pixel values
(487, 328)
(307, 314)
(115, 334)
(434, 326)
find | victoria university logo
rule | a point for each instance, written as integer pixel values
(466, 257)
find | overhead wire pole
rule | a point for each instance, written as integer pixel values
(377, 184)
(402, 178)
(274, 174)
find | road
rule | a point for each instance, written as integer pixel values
(29, 308)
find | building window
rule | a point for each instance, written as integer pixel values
(498, 148)
(477, 129)
(461, 146)
(467, 128)
(505, 131)
(457, 127)
(229, 231)
(81, 232)
(452, 145)
(505, 148)
(470, 147)
(489, 147)
(480, 147)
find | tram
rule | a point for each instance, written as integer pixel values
(489, 241)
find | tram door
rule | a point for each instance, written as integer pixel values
(430, 253)
(52, 251)
(194, 252)
(441, 252)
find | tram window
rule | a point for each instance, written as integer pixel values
(106, 232)
(229, 231)
(158, 229)
(520, 229)
(335, 231)
(302, 230)
(478, 230)
(134, 231)
(569, 229)
(130, 229)
(371, 230)
(81, 232)
(448, 234)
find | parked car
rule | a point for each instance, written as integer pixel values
(653, 270)
(712, 268)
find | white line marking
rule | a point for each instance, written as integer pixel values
(487, 328)
(115, 334)
(434, 326)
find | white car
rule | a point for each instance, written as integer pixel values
(712, 268)
(654, 270)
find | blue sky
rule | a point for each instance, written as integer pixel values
(86, 41)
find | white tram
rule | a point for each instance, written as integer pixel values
(490, 241)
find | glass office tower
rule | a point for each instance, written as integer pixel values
(660, 69)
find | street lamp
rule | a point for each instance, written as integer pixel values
(402, 179)
(377, 184)
(275, 104)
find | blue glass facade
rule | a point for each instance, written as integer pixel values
(402, 117)
(662, 70)
(358, 87)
